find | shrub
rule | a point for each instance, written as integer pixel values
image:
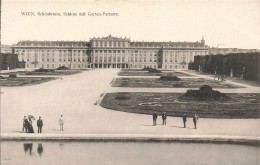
(63, 68)
(169, 77)
(151, 70)
(147, 68)
(12, 76)
(206, 88)
(191, 93)
(206, 93)
(44, 70)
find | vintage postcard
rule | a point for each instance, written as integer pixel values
(130, 82)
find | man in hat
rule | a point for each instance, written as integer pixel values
(184, 120)
(154, 118)
(61, 122)
(25, 124)
(164, 116)
(39, 124)
(195, 120)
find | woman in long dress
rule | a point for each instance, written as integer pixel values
(30, 129)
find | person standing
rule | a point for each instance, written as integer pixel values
(195, 120)
(25, 124)
(30, 127)
(61, 122)
(39, 124)
(154, 118)
(164, 116)
(184, 120)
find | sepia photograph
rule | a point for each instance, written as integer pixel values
(133, 82)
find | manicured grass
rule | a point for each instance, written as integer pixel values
(24, 81)
(235, 79)
(146, 73)
(240, 105)
(56, 72)
(156, 83)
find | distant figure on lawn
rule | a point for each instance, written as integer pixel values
(61, 122)
(164, 116)
(184, 120)
(39, 124)
(25, 124)
(30, 127)
(154, 118)
(220, 77)
(195, 120)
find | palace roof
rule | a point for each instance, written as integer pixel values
(110, 38)
(166, 44)
(53, 43)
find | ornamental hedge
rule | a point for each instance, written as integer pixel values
(151, 70)
(205, 93)
(169, 77)
(244, 65)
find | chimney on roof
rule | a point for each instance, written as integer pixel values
(203, 41)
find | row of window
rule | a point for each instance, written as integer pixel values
(54, 66)
(150, 52)
(175, 67)
(50, 51)
(53, 44)
(168, 52)
(114, 51)
(110, 51)
(53, 60)
(51, 56)
(165, 45)
(110, 44)
(109, 59)
(143, 59)
(73, 54)
(147, 59)
(134, 66)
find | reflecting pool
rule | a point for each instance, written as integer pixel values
(128, 153)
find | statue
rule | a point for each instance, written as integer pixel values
(231, 72)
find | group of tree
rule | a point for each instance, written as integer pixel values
(245, 65)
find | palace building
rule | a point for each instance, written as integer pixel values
(108, 52)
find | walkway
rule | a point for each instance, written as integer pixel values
(131, 138)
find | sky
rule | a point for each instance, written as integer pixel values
(233, 24)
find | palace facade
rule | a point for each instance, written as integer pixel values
(108, 52)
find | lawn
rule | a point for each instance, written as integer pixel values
(156, 83)
(240, 105)
(24, 81)
(56, 72)
(146, 73)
